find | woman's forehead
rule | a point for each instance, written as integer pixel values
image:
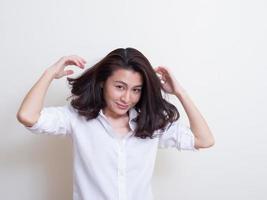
(128, 77)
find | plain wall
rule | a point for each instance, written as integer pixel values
(217, 50)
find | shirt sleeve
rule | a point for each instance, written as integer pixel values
(53, 120)
(177, 135)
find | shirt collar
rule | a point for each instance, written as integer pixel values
(132, 114)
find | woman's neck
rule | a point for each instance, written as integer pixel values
(114, 116)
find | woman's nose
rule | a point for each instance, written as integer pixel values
(126, 97)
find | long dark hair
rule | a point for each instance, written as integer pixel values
(154, 112)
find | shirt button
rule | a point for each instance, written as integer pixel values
(121, 173)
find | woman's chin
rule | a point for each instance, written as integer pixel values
(120, 111)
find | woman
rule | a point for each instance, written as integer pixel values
(117, 119)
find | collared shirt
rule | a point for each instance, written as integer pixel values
(108, 166)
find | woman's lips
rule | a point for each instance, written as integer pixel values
(122, 106)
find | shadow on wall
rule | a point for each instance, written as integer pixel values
(45, 159)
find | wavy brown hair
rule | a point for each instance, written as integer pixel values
(154, 112)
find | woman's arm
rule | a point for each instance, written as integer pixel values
(32, 103)
(198, 125)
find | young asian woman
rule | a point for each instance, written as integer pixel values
(117, 119)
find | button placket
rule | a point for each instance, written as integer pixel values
(121, 169)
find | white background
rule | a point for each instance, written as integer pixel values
(217, 50)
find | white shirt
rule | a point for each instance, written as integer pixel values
(106, 166)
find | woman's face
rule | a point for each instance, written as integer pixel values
(122, 91)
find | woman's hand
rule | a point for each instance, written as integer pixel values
(168, 82)
(58, 68)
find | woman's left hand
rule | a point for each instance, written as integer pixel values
(168, 82)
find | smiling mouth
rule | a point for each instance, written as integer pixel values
(122, 106)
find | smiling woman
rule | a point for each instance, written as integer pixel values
(117, 119)
(122, 80)
(121, 92)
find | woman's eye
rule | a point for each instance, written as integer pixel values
(137, 90)
(119, 86)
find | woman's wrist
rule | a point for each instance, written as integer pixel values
(179, 91)
(50, 72)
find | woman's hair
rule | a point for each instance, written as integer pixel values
(154, 112)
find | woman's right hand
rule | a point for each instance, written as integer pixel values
(58, 68)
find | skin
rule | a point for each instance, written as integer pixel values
(32, 104)
(202, 133)
(123, 87)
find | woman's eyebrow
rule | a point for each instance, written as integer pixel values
(126, 83)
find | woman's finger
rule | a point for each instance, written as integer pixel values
(84, 61)
(80, 63)
(74, 61)
(68, 72)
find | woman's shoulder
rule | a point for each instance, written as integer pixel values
(70, 109)
(74, 113)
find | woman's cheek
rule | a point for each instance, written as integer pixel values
(116, 93)
(137, 97)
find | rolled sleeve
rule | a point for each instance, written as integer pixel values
(177, 135)
(54, 120)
